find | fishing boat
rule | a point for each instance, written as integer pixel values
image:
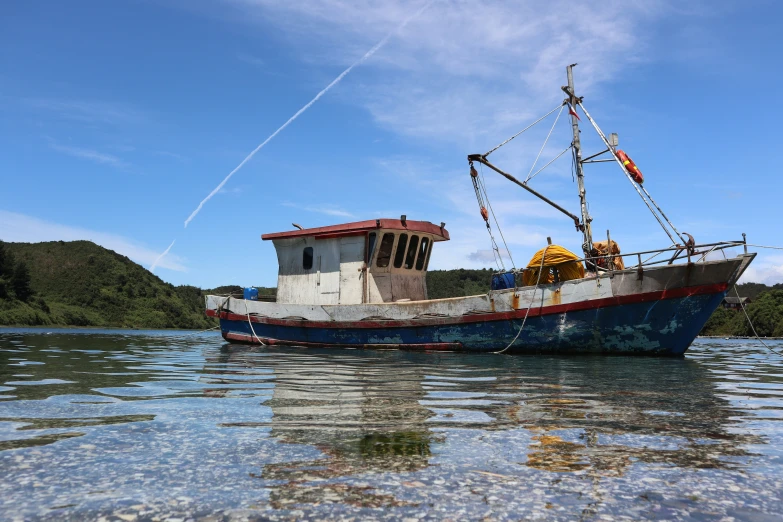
(363, 284)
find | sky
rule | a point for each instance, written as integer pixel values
(118, 118)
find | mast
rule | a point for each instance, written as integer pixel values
(587, 246)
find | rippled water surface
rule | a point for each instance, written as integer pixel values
(156, 425)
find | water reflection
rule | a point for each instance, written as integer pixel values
(290, 432)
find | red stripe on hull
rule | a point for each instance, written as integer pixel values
(496, 316)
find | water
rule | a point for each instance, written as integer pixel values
(156, 425)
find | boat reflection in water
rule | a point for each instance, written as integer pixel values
(371, 413)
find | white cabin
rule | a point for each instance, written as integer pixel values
(374, 261)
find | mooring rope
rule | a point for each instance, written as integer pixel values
(250, 324)
(751, 324)
(532, 299)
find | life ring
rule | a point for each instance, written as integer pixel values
(630, 167)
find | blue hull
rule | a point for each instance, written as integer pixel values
(665, 327)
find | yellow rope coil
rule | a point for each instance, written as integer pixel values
(555, 255)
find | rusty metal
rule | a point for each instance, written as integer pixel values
(587, 246)
(481, 159)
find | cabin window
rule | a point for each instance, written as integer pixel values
(429, 254)
(414, 244)
(307, 258)
(400, 254)
(385, 250)
(425, 243)
(370, 246)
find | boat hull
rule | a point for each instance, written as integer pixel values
(666, 327)
(659, 312)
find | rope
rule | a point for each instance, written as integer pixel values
(478, 188)
(753, 328)
(523, 130)
(751, 324)
(190, 334)
(544, 145)
(250, 324)
(532, 299)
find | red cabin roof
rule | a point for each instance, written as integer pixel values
(361, 227)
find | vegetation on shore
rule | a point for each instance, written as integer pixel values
(79, 283)
(765, 311)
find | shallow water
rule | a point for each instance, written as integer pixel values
(156, 425)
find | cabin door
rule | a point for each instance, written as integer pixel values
(328, 272)
(351, 262)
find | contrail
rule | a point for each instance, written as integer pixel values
(152, 268)
(300, 111)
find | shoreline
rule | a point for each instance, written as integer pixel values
(131, 328)
(737, 337)
(74, 327)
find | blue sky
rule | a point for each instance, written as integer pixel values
(119, 117)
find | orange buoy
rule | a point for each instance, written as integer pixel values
(630, 167)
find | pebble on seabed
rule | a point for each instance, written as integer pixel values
(149, 429)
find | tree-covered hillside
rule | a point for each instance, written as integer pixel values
(457, 283)
(765, 311)
(79, 283)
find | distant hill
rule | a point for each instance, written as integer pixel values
(79, 283)
(458, 283)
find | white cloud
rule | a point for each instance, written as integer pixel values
(250, 59)
(466, 71)
(88, 111)
(90, 154)
(329, 210)
(16, 227)
(768, 270)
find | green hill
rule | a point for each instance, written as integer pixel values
(458, 283)
(79, 283)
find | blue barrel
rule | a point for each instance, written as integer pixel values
(251, 294)
(502, 281)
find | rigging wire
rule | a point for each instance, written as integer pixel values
(544, 145)
(523, 130)
(497, 224)
(548, 164)
(532, 299)
(762, 246)
(664, 215)
(480, 192)
(628, 176)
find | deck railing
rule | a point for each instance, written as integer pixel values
(680, 254)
